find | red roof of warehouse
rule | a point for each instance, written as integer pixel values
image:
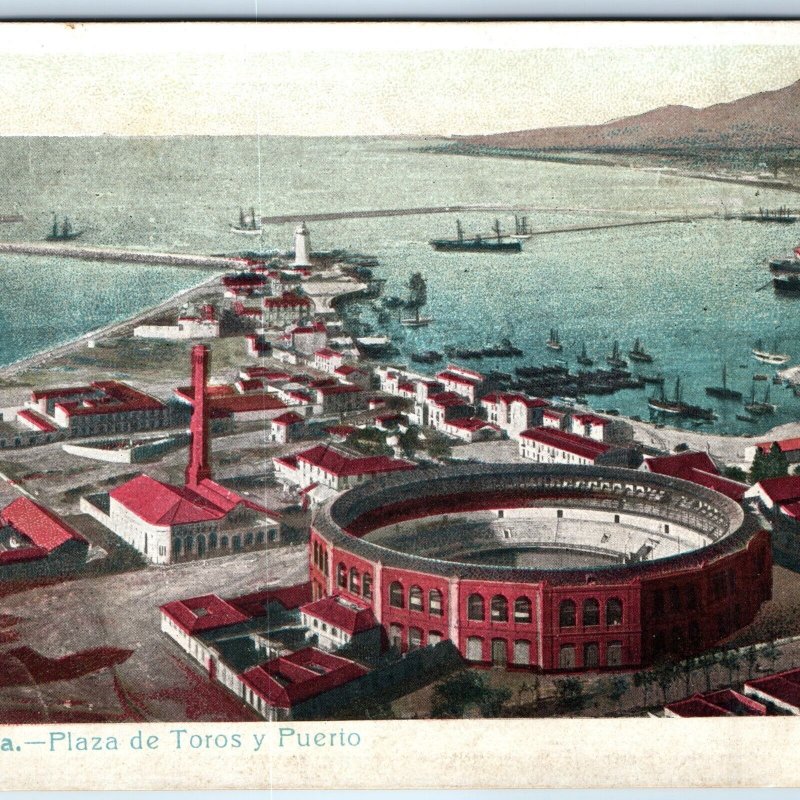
(116, 397)
(41, 526)
(698, 468)
(781, 490)
(784, 445)
(447, 400)
(67, 391)
(326, 352)
(239, 404)
(341, 464)
(784, 686)
(454, 377)
(511, 397)
(287, 300)
(249, 384)
(590, 419)
(204, 613)
(293, 679)
(569, 442)
(36, 420)
(339, 388)
(349, 616)
(256, 604)
(164, 504)
(340, 430)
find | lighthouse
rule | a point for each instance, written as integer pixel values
(302, 246)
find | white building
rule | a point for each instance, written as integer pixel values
(513, 412)
(554, 446)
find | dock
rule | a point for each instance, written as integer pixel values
(114, 254)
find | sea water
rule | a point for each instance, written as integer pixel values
(693, 292)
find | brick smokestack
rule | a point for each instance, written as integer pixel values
(199, 463)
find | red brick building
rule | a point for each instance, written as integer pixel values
(629, 567)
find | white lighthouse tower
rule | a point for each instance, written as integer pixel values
(302, 246)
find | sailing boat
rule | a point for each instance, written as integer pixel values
(583, 359)
(64, 233)
(665, 406)
(417, 299)
(614, 360)
(248, 224)
(769, 357)
(723, 392)
(521, 228)
(638, 353)
(553, 342)
(760, 408)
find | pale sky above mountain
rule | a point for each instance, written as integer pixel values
(374, 79)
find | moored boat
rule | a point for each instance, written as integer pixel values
(583, 358)
(554, 343)
(759, 408)
(477, 244)
(723, 392)
(767, 356)
(788, 284)
(638, 353)
(63, 233)
(613, 359)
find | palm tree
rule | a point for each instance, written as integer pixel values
(645, 680)
(731, 660)
(772, 653)
(751, 659)
(665, 674)
(707, 662)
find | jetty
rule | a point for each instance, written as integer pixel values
(115, 254)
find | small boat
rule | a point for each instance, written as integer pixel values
(505, 349)
(759, 408)
(658, 380)
(392, 302)
(675, 406)
(789, 263)
(521, 228)
(427, 357)
(375, 346)
(416, 321)
(789, 284)
(583, 359)
(760, 376)
(63, 233)
(248, 224)
(782, 215)
(613, 359)
(745, 418)
(553, 342)
(723, 392)
(760, 353)
(478, 244)
(638, 353)
(777, 380)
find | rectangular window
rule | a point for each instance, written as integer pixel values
(559, 513)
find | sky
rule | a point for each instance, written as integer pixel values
(316, 79)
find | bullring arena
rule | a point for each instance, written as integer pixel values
(545, 567)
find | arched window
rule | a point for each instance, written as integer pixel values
(260, 537)
(396, 636)
(176, 547)
(522, 609)
(325, 562)
(223, 542)
(415, 598)
(566, 614)
(522, 652)
(591, 612)
(566, 656)
(188, 543)
(248, 539)
(475, 609)
(212, 541)
(614, 611)
(591, 655)
(396, 595)
(499, 609)
(414, 638)
(316, 553)
(354, 581)
(341, 576)
(366, 585)
(434, 637)
(435, 603)
(474, 648)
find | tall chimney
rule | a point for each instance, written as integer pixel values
(199, 467)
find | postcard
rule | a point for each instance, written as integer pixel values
(399, 405)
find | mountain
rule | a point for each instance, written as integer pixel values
(766, 120)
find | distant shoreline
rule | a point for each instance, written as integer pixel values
(57, 351)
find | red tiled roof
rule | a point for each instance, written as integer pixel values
(349, 616)
(718, 483)
(784, 445)
(289, 418)
(569, 442)
(67, 391)
(784, 686)
(286, 461)
(511, 397)
(339, 388)
(341, 464)
(20, 554)
(239, 404)
(307, 673)
(781, 490)
(590, 419)
(204, 613)
(346, 369)
(256, 604)
(41, 526)
(249, 384)
(447, 400)
(697, 707)
(37, 420)
(553, 413)
(268, 373)
(326, 352)
(462, 380)
(470, 373)
(679, 462)
(116, 397)
(405, 386)
(287, 300)
(340, 430)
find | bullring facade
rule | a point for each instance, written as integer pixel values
(536, 567)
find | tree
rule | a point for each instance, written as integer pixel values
(615, 688)
(454, 695)
(769, 465)
(644, 679)
(409, 441)
(438, 445)
(570, 694)
(735, 474)
(772, 653)
(664, 675)
(707, 662)
(687, 667)
(731, 660)
(751, 659)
